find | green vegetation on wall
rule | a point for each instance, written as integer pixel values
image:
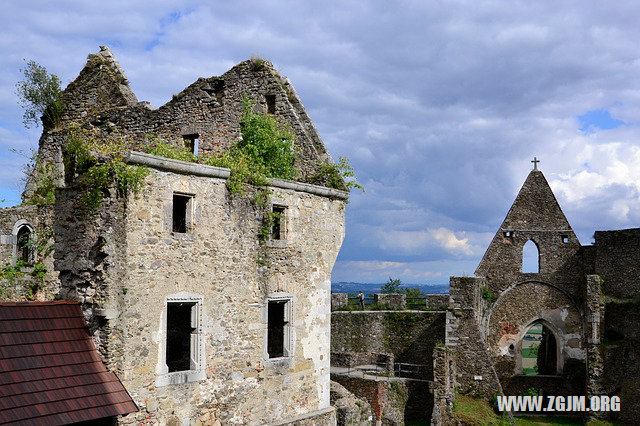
(98, 164)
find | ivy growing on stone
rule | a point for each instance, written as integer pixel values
(98, 166)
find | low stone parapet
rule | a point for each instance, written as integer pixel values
(398, 301)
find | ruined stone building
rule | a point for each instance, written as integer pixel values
(578, 303)
(200, 319)
(583, 299)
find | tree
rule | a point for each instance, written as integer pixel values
(40, 96)
(391, 286)
(414, 293)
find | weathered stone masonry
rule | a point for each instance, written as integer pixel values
(183, 315)
(216, 261)
(585, 296)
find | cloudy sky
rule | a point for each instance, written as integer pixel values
(439, 105)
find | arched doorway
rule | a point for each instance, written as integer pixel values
(539, 351)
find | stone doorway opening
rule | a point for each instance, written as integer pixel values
(539, 351)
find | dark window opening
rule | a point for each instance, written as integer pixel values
(277, 230)
(192, 142)
(24, 249)
(218, 86)
(181, 204)
(271, 103)
(276, 328)
(180, 328)
(508, 237)
(565, 239)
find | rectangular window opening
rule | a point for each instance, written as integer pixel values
(278, 227)
(565, 239)
(276, 328)
(192, 142)
(181, 212)
(181, 327)
(271, 103)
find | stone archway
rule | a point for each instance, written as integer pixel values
(517, 310)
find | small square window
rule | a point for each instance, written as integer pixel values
(565, 239)
(278, 226)
(271, 103)
(279, 328)
(192, 142)
(508, 234)
(182, 213)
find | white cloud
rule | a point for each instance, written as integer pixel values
(439, 106)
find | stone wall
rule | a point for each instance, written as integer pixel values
(474, 372)
(437, 301)
(443, 387)
(616, 261)
(124, 261)
(392, 301)
(38, 219)
(535, 215)
(619, 353)
(339, 301)
(350, 410)
(386, 399)
(409, 335)
(100, 98)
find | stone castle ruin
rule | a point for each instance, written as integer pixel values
(209, 316)
(582, 300)
(201, 319)
(578, 305)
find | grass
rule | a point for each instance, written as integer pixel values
(529, 352)
(542, 421)
(476, 412)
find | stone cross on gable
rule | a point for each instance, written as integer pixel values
(535, 162)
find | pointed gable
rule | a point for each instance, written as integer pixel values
(535, 206)
(101, 85)
(534, 216)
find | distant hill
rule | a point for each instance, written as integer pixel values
(370, 288)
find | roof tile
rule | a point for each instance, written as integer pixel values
(50, 371)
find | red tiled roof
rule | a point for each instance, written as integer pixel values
(50, 371)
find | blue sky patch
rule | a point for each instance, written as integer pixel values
(598, 119)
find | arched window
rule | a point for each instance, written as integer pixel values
(539, 351)
(24, 250)
(530, 258)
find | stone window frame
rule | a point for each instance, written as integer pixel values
(189, 214)
(163, 377)
(290, 334)
(14, 240)
(284, 225)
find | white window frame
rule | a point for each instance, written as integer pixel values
(197, 369)
(289, 328)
